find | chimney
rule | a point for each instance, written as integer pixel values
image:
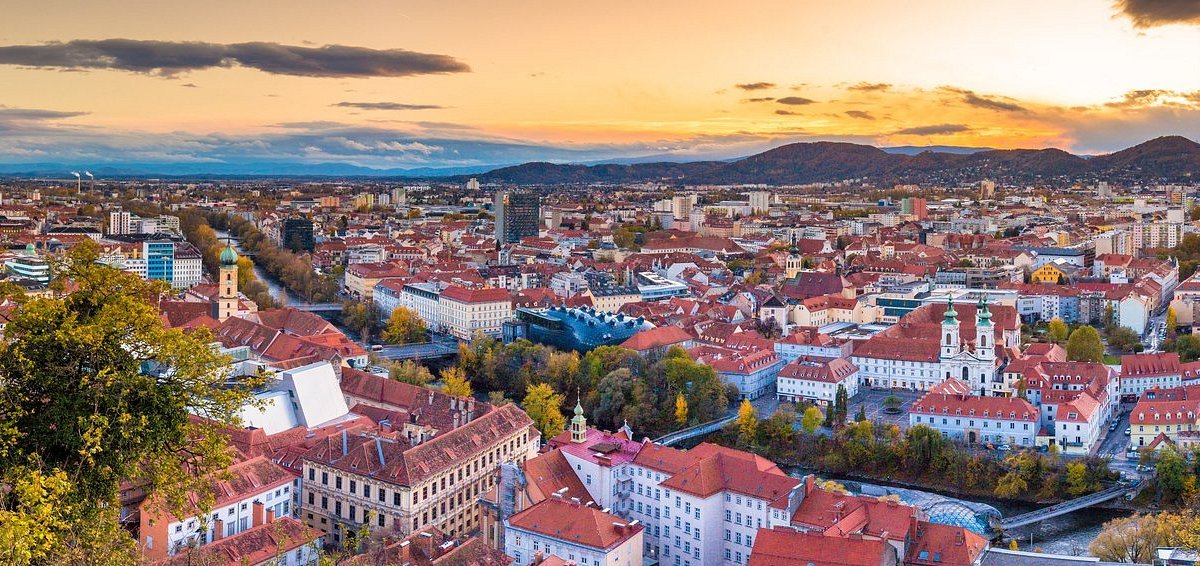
(257, 514)
(270, 516)
(809, 483)
(470, 409)
(424, 541)
(218, 530)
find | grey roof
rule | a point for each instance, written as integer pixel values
(1003, 557)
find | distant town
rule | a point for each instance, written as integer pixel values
(481, 373)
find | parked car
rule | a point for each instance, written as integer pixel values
(1043, 448)
(1004, 448)
(1128, 431)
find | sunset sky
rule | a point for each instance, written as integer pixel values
(394, 84)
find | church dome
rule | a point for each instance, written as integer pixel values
(228, 256)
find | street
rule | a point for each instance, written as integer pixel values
(1115, 443)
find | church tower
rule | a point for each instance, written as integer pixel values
(950, 337)
(578, 424)
(227, 284)
(795, 263)
(985, 347)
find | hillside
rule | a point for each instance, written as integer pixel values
(1165, 159)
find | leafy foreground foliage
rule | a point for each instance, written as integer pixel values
(1133, 539)
(615, 385)
(94, 391)
(919, 456)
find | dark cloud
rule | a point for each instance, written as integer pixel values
(970, 98)
(168, 58)
(860, 114)
(937, 130)
(34, 114)
(311, 125)
(755, 86)
(444, 126)
(1151, 13)
(1163, 97)
(869, 87)
(386, 106)
(795, 100)
(189, 85)
(787, 113)
(760, 99)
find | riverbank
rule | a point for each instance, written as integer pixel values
(921, 458)
(274, 287)
(1067, 535)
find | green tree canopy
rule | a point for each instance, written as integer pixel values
(542, 404)
(812, 420)
(97, 391)
(1084, 345)
(1057, 331)
(404, 327)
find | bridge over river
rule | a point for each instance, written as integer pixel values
(317, 307)
(979, 517)
(1070, 506)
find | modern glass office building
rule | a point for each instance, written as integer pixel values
(160, 260)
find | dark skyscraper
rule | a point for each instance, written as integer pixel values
(518, 215)
(297, 235)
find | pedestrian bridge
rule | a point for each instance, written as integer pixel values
(418, 352)
(701, 429)
(318, 307)
(1065, 507)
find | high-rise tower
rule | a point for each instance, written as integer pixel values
(518, 215)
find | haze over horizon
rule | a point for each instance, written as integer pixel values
(474, 84)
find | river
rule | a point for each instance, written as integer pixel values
(277, 290)
(1066, 534)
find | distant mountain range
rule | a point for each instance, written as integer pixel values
(1170, 159)
(233, 170)
(1164, 159)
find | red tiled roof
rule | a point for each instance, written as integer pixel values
(782, 546)
(818, 369)
(575, 523)
(1176, 405)
(656, 337)
(1150, 365)
(257, 545)
(464, 295)
(408, 465)
(933, 544)
(952, 397)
